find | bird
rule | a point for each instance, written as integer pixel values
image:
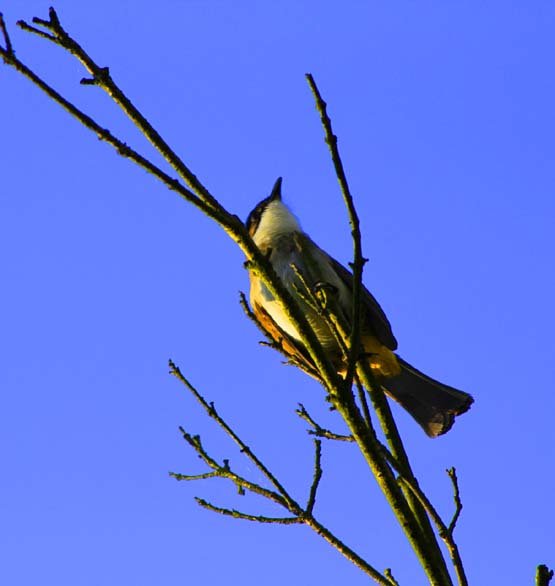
(299, 262)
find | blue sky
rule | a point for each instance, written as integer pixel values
(446, 124)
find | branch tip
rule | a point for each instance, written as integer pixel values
(9, 47)
(543, 575)
(240, 515)
(54, 20)
(389, 576)
(452, 473)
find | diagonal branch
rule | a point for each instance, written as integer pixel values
(300, 515)
(358, 262)
(408, 509)
(102, 133)
(230, 223)
(211, 411)
(102, 78)
(398, 452)
(378, 398)
(443, 530)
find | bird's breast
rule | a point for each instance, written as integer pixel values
(295, 273)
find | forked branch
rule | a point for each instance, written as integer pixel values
(445, 532)
(280, 496)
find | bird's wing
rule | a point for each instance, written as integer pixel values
(373, 315)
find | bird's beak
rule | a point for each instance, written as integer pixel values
(276, 191)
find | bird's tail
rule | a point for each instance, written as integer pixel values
(432, 404)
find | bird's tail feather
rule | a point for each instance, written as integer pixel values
(432, 404)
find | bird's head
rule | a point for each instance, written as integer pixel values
(271, 217)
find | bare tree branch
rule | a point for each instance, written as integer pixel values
(224, 471)
(238, 515)
(452, 473)
(320, 431)
(317, 477)
(358, 263)
(230, 223)
(443, 530)
(102, 78)
(31, 29)
(211, 411)
(3, 29)
(281, 497)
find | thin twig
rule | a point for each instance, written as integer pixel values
(320, 431)
(42, 22)
(103, 79)
(179, 476)
(299, 515)
(452, 473)
(210, 409)
(226, 472)
(239, 515)
(443, 530)
(317, 476)
(397, 448)
(362, 398)
(5, 34)
(359, 260)
(31, 29)
(347, 552)
(357, 267)
(104, 134)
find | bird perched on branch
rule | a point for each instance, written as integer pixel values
(302, 265)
